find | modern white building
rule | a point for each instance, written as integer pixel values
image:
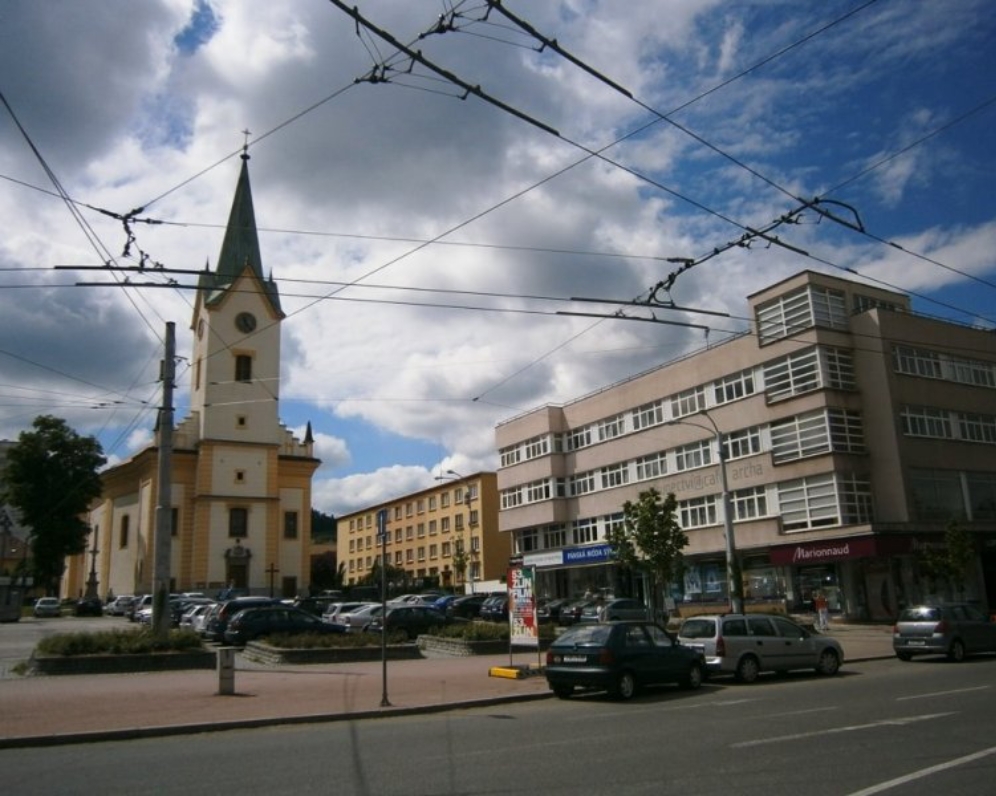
(854, 432)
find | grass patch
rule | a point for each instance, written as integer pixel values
(118, 642)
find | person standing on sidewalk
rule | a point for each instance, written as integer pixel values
(822, 611)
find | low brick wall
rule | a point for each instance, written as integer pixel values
(119, 664)
(264, 653)
(460, 648)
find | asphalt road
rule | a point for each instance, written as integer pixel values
(18, 639)
(925, 727)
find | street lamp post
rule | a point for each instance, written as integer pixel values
(465, 554)
(732, 579)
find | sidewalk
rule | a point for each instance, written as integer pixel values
(41, 711)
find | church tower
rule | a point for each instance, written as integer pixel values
(240, 480)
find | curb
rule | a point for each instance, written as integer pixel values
(38, 741)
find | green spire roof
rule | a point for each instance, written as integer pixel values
(240, 248)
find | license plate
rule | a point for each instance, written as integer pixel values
(916, 642)
(574, 659)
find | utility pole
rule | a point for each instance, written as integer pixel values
(164, 508)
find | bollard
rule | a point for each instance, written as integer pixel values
(226, 671)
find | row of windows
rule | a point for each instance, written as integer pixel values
(238, 525)
(830, 499)
(813, 368)
(461, 496)
(941, 495)
(791, 313)
(433, 552)
(418, 531)
(936, 423)
(939, 365)
(814, 433)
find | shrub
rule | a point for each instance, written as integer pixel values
(326, 641)
(118, 642)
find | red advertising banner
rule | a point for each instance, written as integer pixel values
(522, 607)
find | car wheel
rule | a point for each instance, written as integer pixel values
(693, 680)
(828, 663)
(748, 669)
(625, 686)
(904, 656)
(956, 652)
(563, 691)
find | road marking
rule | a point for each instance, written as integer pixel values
(835, 730)
(923, 772)
(943, 693)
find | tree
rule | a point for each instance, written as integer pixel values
(52, 478)
(324, 574)
(323, 527)
(650, 539)
(949, 566)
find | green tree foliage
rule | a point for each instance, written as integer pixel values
(324, 574)
(323, 527)
(650, 539)
(52, 478)
(949, 566)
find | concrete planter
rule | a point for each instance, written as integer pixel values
(119, 664)
(264, 653)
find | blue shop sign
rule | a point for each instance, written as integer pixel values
(588, 555)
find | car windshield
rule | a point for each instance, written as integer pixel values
(921, 614)
(585, 636)
(698, 628)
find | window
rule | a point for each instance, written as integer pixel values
(688, 402)
(926, 421)
(584, 531)
(981, 495)
(579, 439)
(397, 512)
(698, 454)
(749, 504)
(824, 500)
(243, 367)
(473, 518)
(616, 475)
(537, 491)
(420, 506)
(510, 498)
(916, 362)
(409, 533)
(811, 305)
(528, 540)
(421, 530)
(697, 512)
(738, 444)
(510, 456)
(123, 531)
(537, 447)
(653, 466)
(432, 502)
(433, 551)
(290, 525)
(554, 536)
(936, 495)
(421, 553)
(734, 387)
(794, 374)
(799, 436)
(444, 525)
(238, 523)
(977, 428)
(583, 483)
(174, 522)
(648, 415)
(611, 428)
(432, 528)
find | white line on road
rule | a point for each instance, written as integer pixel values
(834, 730)
(943, 693)
(924, 772)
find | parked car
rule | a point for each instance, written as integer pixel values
(495, 608)
(119, 605)
(195, 616)
(952, 629)
(615, 609)
(621, 658)
(253, 623)
(412, 620)
(357, 619)
(47, 607)
(140, 602)
(221, 615)
(332, 610)
(468, 606)
(570, 613)
(88, 606)
(745, 645)
(313, 605)
(549, 610)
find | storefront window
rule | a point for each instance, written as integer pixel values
(810, 580)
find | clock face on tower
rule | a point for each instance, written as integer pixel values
(245, 322)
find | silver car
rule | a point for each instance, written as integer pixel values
(745, 645)
(618, 608)
(952, 629)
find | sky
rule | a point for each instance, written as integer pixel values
(460, 203)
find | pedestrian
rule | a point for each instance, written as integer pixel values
(822, 611)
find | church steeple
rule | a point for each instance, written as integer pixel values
(240, 247)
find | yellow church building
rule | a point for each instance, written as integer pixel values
(241, 481)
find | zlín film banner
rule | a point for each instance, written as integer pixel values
(522, 606)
